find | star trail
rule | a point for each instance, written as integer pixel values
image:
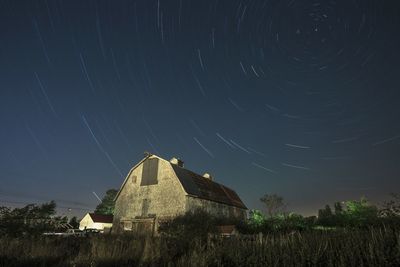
(294, 97)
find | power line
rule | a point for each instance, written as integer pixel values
(57, 206)
(37, 198)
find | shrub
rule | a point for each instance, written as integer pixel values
(186, 230)
(196, 224)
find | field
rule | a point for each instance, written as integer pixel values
(357, 247)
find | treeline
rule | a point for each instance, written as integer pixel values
(352, 214)
(349, 234)
(33, 220)
(347, 214)
(36, 219)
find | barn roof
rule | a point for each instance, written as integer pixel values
(201, 187)
(100, 218)
(196, 185)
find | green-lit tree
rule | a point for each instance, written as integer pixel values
(361, 212)
(256, 218)
(106, 207)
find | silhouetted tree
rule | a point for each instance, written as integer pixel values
(273, 203)
(107, 204)
(338, 208)
(325, 216)
(31, 219)
(74, 222)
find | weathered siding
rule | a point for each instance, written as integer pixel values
(146, 196)
(214, 208)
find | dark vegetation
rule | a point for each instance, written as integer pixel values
(32, 220)
(356, 247)
(352, 233)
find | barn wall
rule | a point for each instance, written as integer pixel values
(145, 197)
(214, 208)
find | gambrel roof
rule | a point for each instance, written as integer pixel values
(201, 187)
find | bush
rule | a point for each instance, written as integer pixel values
(187, 230)
(191, 225)
(285, 223)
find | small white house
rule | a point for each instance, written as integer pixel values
(96, 221)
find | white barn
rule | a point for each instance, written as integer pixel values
(96, 221)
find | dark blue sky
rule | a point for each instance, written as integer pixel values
(296, 97)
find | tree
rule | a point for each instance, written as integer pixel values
(31, 219)
(106, 207)
(326, 212)
(256, 219)
(325, 216)
(74, 222)
(338, 208)
(361, 213)
(273, 203)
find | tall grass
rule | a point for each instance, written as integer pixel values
(373, 247)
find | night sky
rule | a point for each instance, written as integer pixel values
(299, 98)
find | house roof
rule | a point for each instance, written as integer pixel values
(100, 218)
(201, 187)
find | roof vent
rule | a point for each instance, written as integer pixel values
(177, 162)
(207, 176)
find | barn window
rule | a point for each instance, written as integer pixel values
(134, 177)
(149, 172)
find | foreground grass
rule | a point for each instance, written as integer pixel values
(373, 247)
